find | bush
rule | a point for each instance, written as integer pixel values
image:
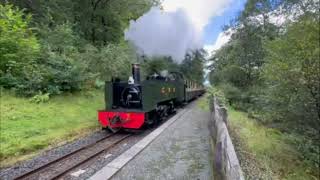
(308, 148)
(232, 93)
(59, 68)
(31, 81)
(18, 45)
(292, 76)
(64, 73)
(40, 98)
(218, 94)
(61, 61)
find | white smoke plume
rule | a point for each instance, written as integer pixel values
(159, 33)
(176, 29)
(199, 11)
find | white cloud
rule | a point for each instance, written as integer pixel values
(279, 16)
(209, 49)
(222, 39)
(276, 19)
(199, 11)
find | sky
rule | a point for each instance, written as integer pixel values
(209, 17)
(214, 28)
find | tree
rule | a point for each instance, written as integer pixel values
(151, 65)
(98, 21)
(103, 21)
(293, 68)
(272, 71)
(18, 44)
(192, 66)
(72, 43)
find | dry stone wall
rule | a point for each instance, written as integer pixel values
(226, 163)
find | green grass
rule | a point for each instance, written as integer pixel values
(28, 127)
(203, 102)
(266, 152)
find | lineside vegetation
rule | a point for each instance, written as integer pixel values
(28, 126)
(271, 72)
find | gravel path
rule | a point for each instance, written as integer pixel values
(181, 152)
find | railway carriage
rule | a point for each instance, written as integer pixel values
(135, 104)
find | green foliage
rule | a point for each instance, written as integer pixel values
(204, 102)
(232, 74)
(267, 153)
(219, 94)
(232, 93)
(111, 60)
(99, 84)
(309, 149)
(18, 45)
(192, 66)
(99, 22)
(79, 43)
(292, 76)
(293, 73)
(40, 98)
(158, 64)
(27, 127)
(103, 22)
(59, 67)
(63, 73)
(273, 73)
(60, 39)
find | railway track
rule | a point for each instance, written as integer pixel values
(58, 168)
(61, 166)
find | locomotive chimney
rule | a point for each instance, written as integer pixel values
(136, 73)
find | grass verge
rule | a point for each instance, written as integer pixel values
(266, 153)
(26, 127)
(203, 102)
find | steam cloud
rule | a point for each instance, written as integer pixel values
(159, 33)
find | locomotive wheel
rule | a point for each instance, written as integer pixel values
(153, 119)
(172, 110)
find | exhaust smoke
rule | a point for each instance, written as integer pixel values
(160, 33)
(176, 29)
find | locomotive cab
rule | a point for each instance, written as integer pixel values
(125, 94)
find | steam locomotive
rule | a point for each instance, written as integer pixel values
(135, 104)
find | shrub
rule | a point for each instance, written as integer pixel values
(232, 93)
(218, 94)
(31, 81)
(40, 98)
(18, 45)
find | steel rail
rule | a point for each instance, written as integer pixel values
(33, 171)
(58, 175)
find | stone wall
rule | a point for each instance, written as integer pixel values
(225, 161)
